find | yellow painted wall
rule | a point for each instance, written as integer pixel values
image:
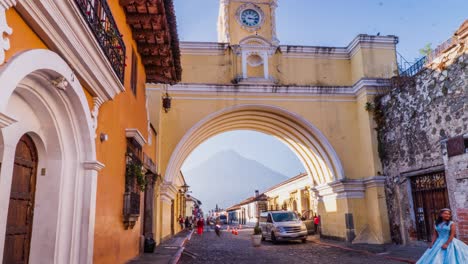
(312, 71)
(125, 111)
(222, 69)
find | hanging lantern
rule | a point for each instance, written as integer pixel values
(166, 102)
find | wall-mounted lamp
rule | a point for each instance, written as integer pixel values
(103, 137)
(166, 100)
(185, 188)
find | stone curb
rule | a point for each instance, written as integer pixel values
(365, 252)
(175, 259)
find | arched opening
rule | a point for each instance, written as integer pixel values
(312, 148)
(319, 159)
(42, 98)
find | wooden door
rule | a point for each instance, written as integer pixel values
(21, 206)
(429, 196)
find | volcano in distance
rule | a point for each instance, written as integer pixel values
(226, 178)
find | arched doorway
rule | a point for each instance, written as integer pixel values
(21, 207)
(42, 98)
(338, 200)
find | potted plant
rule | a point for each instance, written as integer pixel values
(257, 236)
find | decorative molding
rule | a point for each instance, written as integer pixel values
(97, 102)
(362, 87)
(253, 7)
(4, 28)
(422, 171)
(61, 26)
(60, 83)
(6, 120)
(93, 165)
(203, 48)
(135, 134)
(348, 188)
(168, 191)
(287, 51)
(6, 4)
(376, 181)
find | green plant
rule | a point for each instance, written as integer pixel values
(134, 172)
(257, 230)
(369, 107)
(427, 50)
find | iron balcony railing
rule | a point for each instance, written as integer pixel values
(415, 68)
(407, 69)
(99, 18)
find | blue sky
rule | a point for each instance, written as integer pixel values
(320, 23)
(337, 22)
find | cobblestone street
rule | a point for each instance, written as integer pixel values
(238, 249)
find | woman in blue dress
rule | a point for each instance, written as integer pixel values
(445, 248)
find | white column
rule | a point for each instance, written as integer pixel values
(91, 171)
(273, 7)
(244, 65)
(265, 65)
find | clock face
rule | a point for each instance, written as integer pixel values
(250, 18)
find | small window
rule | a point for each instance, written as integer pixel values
(134, 73)
(456, 146)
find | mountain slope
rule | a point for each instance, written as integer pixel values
(227, 178)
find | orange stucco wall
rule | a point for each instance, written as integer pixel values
(113, 244)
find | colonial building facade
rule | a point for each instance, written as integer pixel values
(292, 194)
(77, 150)
(311, 98)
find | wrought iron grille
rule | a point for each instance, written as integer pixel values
(131, 204)
(429, 196)
(99, 18)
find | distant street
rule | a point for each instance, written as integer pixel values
(238, 249)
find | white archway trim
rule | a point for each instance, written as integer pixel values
(312, 147)
(62, 120)
(6, 120)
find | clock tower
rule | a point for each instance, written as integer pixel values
(239, 19)
(249, 27)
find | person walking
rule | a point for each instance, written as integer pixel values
(187, 223)
(445, 248)
(218, 228)
(200, 225)
(181, 222)
(316, 223)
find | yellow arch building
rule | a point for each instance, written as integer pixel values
(311, 98)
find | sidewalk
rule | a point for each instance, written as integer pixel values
(169, 251)
(406, 254)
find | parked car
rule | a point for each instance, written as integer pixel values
(282, 225)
